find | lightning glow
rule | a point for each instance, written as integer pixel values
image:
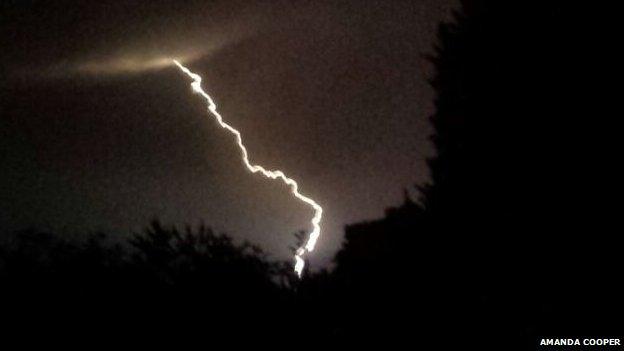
(294, 187)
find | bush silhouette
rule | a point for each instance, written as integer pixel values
(161, 281)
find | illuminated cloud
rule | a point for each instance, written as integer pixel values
(129, 63)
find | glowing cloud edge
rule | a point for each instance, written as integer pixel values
(272, 174)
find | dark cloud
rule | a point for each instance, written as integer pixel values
(334, 93)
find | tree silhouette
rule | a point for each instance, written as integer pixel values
(487, 256)
(162, 282)
(507, 138)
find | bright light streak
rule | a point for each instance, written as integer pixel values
(294, 187)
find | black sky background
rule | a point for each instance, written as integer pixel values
(97, 134)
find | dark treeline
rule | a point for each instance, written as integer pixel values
(161, 282)
(508, 243)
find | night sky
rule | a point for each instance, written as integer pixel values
(99, 132)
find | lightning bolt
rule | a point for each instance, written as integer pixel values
(294, 187)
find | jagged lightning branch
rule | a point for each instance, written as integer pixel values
(294, 187)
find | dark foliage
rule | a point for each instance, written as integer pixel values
(162, 284)
(510, 241)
